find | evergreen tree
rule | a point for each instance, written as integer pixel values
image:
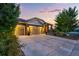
(66, 20)
(9, 14)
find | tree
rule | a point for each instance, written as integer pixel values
(9, 14)
(67, 20)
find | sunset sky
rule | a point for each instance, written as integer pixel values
(45, 11)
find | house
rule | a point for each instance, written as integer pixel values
(32, 26)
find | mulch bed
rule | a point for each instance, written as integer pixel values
(71, 37)
(68, 37)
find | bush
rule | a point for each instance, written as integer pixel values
(58, 33)
(9, 45)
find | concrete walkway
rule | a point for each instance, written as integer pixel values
(46, 45)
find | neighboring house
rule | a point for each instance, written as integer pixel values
(32, 26)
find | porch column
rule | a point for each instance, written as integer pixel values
(24, 29)
(46, 29)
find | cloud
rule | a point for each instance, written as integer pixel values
(55, 10)
(43, 11)
(49, 11)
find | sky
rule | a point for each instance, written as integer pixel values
(45, 11)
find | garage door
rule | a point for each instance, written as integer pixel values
(19, 30)
(36, 30)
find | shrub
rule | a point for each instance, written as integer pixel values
(9, 45)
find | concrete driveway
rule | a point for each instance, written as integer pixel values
(46, 45)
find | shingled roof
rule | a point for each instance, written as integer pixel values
(34, 21)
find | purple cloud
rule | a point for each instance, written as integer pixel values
(48, 10)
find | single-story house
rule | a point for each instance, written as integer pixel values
(32, 26)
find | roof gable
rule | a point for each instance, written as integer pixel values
(34, 21)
